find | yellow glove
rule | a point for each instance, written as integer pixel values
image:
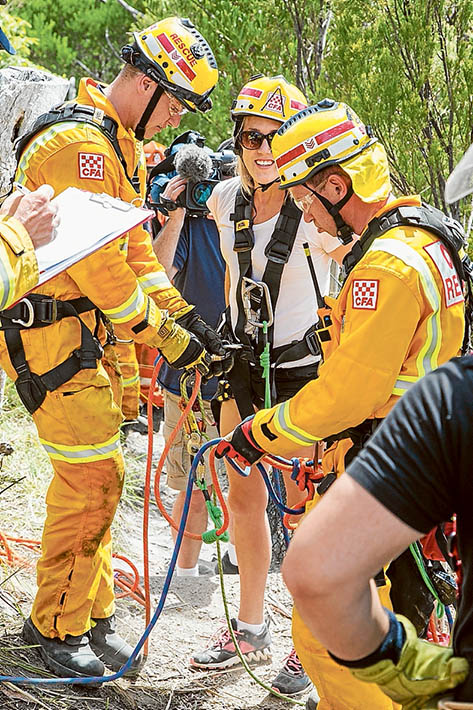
(424, 670)
(181, 349)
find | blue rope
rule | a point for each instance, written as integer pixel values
(277, 485)
(21, 680)
(274, 498)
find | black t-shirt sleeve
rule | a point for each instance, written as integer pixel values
(417, 460)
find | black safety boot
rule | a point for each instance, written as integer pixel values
(71, 658)
(111, 648)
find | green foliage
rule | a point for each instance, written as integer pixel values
(18, 32)
(77, 37)
(406, 67)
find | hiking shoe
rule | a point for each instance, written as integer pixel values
(227, 566)
(292, 678)
(71, 658)
(312, 701)
(222, 654)
(111, 648)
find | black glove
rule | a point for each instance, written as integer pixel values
(193, 322)
(240, 445)
(223, 362)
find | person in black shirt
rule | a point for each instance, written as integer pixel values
(414, 473)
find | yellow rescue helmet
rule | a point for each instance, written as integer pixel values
(176, 56)
(330, 133)
(269, 97)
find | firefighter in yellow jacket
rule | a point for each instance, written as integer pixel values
(26, 222)
(399, 314)
(52, 342)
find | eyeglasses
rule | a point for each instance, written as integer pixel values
(304, 203)
(175, 107)
(252, 140)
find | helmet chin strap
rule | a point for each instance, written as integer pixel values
(265, 186)
(344, 231)
(142, 123)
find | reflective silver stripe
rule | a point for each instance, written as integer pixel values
(83, 454)
(284, 425)
(427, 358)
(402, 385)
(130, 381)
(154, 281)
(128, 310)
(41, 140)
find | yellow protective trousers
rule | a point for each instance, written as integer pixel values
(337, 688)
(78, 425)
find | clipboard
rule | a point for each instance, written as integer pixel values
(89, 221)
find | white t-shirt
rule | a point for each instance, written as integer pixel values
(296, 307)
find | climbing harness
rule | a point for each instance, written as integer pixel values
(39, 311)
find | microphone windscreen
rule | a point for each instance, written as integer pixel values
(193, 163)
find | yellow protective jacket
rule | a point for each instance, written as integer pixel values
(123, 279)
(399, 314)
(18, 265)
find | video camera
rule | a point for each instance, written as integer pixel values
(188, 157)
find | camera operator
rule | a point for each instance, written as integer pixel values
(188, 248)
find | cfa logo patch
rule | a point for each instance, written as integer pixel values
(365, 294)
(91, 166)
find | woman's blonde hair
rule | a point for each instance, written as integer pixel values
(247, 182)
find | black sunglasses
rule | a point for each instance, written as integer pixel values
(252, 140)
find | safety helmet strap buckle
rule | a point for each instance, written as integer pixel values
(344, 231)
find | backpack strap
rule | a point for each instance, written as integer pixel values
(445, 228)
(80, 113)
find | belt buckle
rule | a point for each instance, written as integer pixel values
(30, 315)
(50, 307)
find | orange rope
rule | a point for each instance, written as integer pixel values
(159, 468)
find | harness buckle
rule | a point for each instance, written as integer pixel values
(29, 319)
(312, 342)
(46, 310)
(280, 256)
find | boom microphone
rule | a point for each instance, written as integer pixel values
(193, 163)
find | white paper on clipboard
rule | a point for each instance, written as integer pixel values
(88, 221)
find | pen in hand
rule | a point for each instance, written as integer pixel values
(21, 188)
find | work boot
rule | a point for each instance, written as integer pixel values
(111, 648)
(71, 658)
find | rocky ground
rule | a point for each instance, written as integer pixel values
(192, 614)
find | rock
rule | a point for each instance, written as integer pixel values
(25, 93)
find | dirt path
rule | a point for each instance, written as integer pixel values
(192, 613)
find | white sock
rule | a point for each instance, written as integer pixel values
(253, 628)
(231, 549)
(187, 571)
